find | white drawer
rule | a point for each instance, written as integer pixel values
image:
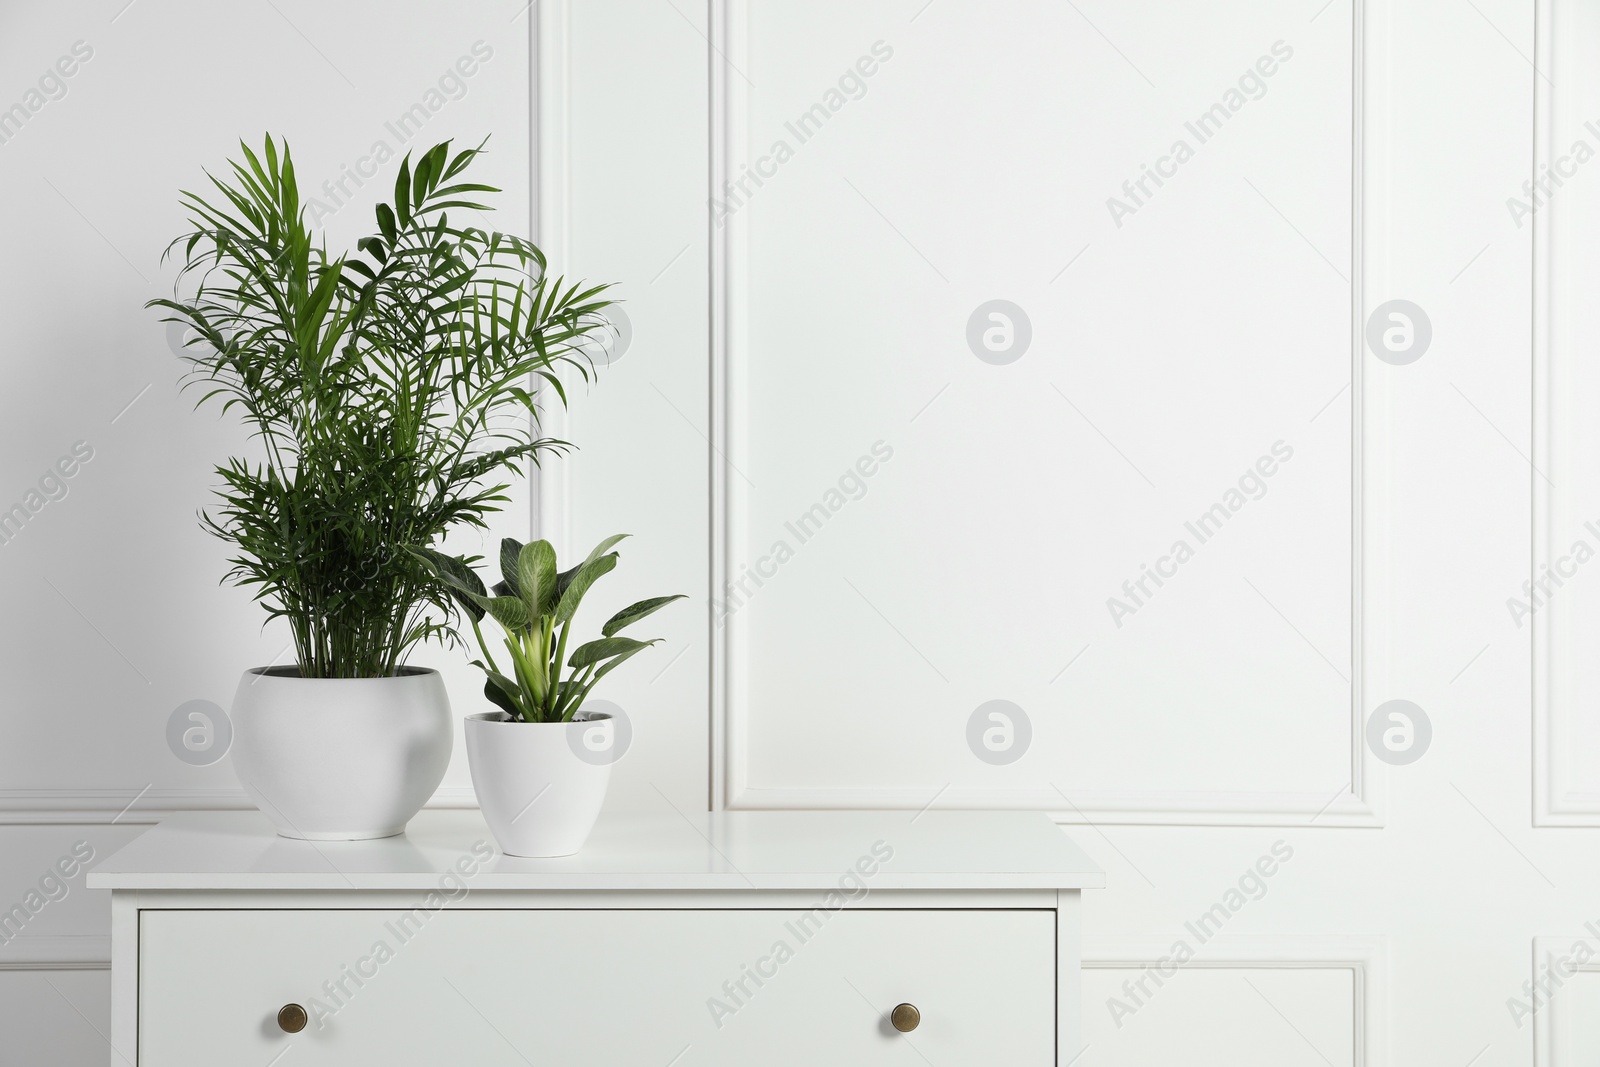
(641, 988)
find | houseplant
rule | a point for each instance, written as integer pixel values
(387, 389)
(538, 796)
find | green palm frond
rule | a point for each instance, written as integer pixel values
(389, 390)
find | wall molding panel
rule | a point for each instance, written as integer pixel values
(1561, 102)
(1551, 1020)
(735, 786)
(1366, 958)
(1552, 803)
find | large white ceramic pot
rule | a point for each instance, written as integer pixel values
(340, 759)
(540, 784)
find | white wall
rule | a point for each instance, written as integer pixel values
(1167, 354)
(116, 616)
(829, 312)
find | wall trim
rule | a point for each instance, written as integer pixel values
(731, 788)
(1365, 957)
(1134, 807)
(1556, 802)
(56, 952)
(131, 807)
(552, 220)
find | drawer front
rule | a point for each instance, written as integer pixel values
(690, 988)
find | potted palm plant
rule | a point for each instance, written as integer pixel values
(388, 389)
(539, 794)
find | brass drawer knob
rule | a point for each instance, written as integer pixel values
(905, 1017)
(292, 1018)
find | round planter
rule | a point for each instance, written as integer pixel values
(340, 759)
(538, 795)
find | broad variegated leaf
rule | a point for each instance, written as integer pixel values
(500, 700)
(510, 549)
(605, 648)
(605, 546)
(587, 574)
(634, 612)
(508, 611)
(536, 576)
(464, 585)
(620, 660)
(503, 692)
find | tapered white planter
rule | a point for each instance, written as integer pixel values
(538, 783)
(340, 759)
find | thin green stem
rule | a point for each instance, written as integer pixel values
(484, 645)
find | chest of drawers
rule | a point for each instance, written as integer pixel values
(744, 938)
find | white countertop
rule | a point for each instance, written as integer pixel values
(727, 850)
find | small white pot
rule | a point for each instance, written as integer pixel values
(540, 784)
(340, 759)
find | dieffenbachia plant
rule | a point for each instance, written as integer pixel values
(535, 604)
